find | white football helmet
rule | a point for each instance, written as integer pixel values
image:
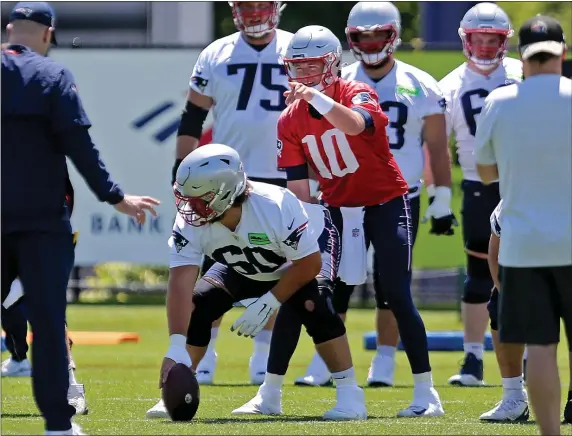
(254, 20)
(485, 18)
(314, 43)
(208, 181)
(373, 17)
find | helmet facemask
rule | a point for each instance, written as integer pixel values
(207, 207)
(377, 47)
(319, 72)
(485, 56)
(255, 19)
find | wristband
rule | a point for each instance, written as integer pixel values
(321, 102)
(179, 341)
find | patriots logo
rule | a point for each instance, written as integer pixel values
(443, 103)
(293, 238)
(179, 240)
(199, 82)
(24, 11)
(361, 98)
(539, 27)
(279, 145)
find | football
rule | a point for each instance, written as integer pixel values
(181, 393)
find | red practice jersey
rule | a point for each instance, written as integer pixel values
(352, 170)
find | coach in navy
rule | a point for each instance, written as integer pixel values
(43, 121)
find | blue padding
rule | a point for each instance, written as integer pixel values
(437, 341)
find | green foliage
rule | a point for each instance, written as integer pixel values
(120, 273)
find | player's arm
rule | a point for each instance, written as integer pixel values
(493, 259)
(292, 159)
(352, 121)
(484, 150)
(199, 102)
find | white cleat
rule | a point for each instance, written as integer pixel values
(76, 398)
(206, 369)
(13, 368)
(425, 403)
(257, 367)
(317, 374)
(381, 371)
(467, 380)
(508, 410)
(158, 411)
(350, 405)
(74, 430)
(266, 402)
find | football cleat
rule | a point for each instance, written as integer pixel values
(13, 368)
(76, 398)
(266, 402)
(426, 402)
(568, 413)
(471, 373)
(158, 411)
(257, 367)
(508, 410)
(317, 374)
(206, 368)
(381, 371)
(350, 405)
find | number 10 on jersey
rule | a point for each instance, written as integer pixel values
(334, 142)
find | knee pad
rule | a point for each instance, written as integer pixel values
(478, 284)
(493, 308)
(341, 296)
(208, 302)
(317, 313)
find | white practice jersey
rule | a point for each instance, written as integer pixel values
(406, 95)
(275, 228)
(247, 87)
(465, 92)
(496, 219)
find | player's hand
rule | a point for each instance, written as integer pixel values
(177, 353)
(439, 211)
(167, 365)
(298, 91)
(256, 316)
(135, 206)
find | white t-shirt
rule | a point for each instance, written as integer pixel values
(496, 220)
(407, 95)
(526, 130)
(465, 92)
(247, 87)
(275, 228)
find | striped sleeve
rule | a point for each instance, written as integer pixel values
(495, 220)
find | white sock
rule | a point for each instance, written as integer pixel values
(386, 350)
(71, 373)
(214, 334)
(423, 380)
(345, 378)
(525, 354)
(513, 387)
(262, 341)
(273, 381)
(57, 432)
(476, 348)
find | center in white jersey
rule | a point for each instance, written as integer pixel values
(247, 87)
(465, 91)
(406, 95)
(275, 228)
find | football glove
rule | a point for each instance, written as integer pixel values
(177, 350)
(256, 316)
(439, 210)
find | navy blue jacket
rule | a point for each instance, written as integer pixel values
(43, 121)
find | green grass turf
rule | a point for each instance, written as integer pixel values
(121, 383)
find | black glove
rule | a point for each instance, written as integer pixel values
(174, 171)
(443, 225)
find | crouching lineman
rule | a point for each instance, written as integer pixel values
(514, 404)
(267, 245)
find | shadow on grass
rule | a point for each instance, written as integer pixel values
(21, 415)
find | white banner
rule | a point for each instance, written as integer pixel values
(134, 100)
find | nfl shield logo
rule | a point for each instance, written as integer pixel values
(355, 233)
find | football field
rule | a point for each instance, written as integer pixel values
(121, 384)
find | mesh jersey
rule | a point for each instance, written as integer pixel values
(352, 170)
(465, 92)
(495, 219)
(274, 229)
(406, 95)
(247, 87)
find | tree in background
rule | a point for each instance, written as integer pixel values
(334, 15)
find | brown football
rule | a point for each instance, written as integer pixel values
(181, 393)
